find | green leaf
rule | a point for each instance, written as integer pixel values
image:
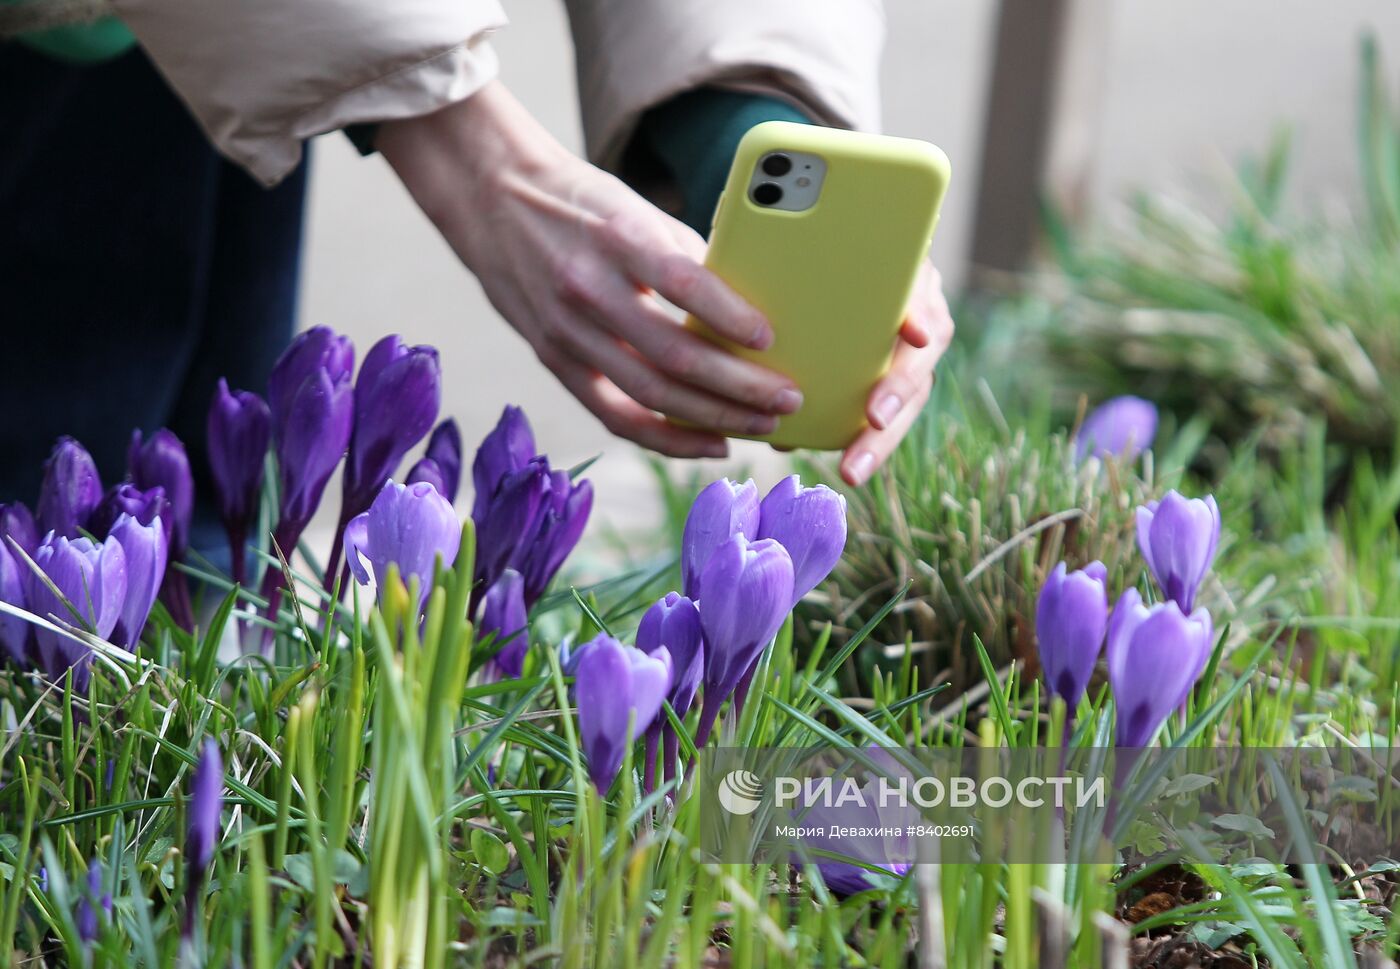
(489, 851)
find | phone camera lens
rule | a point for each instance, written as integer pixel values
(768, 194)
(776, 166)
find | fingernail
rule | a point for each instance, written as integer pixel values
(862, 465)
(888, 409)
(762, 424)
(762, 338)
(787, 400)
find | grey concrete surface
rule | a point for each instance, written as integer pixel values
(1190, 86)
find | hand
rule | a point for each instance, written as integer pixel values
(575, 261)
(900, 395)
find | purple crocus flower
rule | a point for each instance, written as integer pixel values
(1119, 428)
(511, 519)
(1178, 537)
(846, 879)
(318, 350)
(563, 516)
(17, 526)
(202, 834)
(161, 462)
(310, 442)
(509, 447)
(396, 401)
(146, 553)
(673, 623)
(92, 578)
(239, 428)
(441, 463)
(92, 900)
(504, 616)
(745, 593)
(70, 491)
(1070, 619)
(126, 499)
(721, 511)
(620, 690)
(16, 522)
(410, 526)
(811, 524)
(1155, 656)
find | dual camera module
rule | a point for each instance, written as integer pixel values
(775, 165)
(787, 180)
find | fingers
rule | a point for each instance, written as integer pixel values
(874, 445)
(651, 255)
(626, 418)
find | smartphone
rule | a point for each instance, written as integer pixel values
(824, 230)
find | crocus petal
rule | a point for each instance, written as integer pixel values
(616, 686)
(445, 450)
(161, 462)
(1123, 427)
(14, 632)
(92, 578)
(1155, 656)
(503, 615)
(357, 545)
(1178, 537)
(673, 623)
(144, 547)
(319, 349)
(561, 524)
(71, 489)
(206, 805)
(745, 593)
(811, 524)
(512, 519)
(426, 469)
(1071, 618)
(16, 522)
(721, 511)
(396, 401)
(239, 430)
(310, 443)
(143, 504)
(509, 447)
(410, 526)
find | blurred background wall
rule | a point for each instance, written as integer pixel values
(1172, 92)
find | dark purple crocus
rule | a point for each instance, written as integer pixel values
(1119, 428)
(1070, 619)
(161, 462)
(721, 511)
(309, 444)
(619, 691)
(318, 350)
(126, 499)
(92, 901)
(811, 524)
(441, 463)
(509, 447)
(92, 578)
(745, 594)
(1178, 537)
(503, 615)
(240, 429)
(410, 526)
(16, 522)
(71, 489)
(511, 519)
(17, 526)
(146, 553)
(1155, 656)
(396, 401)
(206, 804)
(563, 516)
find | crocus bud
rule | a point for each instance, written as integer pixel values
(503, 615)
(562, 518)
(146, 552)
(1178, 537)
(509, 447)
(1155, 656)
(144, 505)
(619, 695)
(673, 624)
(1070, 619)
(16, 522)
(721, 511)
(511, 519)
(745, 593)
(206, 804)
(396, 401)
(410, 526)
(92, 901)
(317, 350)
(161, 462)
(70, 491)
(17, 525)
(309, 444)
(239, 427)
(445, 451)
(92, 578)
(427, 470)
(1120, 428)
(811, 524)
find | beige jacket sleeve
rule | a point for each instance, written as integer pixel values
(261, 76)
(821, 55)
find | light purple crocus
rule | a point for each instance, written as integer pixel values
(504, 616)
(673, 623)
(17, 526)
(318, 350)
(811, 524)
(619, 691)
(508, 448)
(745, 594)
(144, 547)
(1071, 617)
(206, 806)
(161, 462)
(722, 510)
(1178, 537)
(1155, 656)
(92, 577)
(1119, 428)
(240, 429)
(411, 526)
(441, 463)
(71, 489)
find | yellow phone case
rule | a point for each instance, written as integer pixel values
(835, 279)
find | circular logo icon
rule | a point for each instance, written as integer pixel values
(740, 792)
